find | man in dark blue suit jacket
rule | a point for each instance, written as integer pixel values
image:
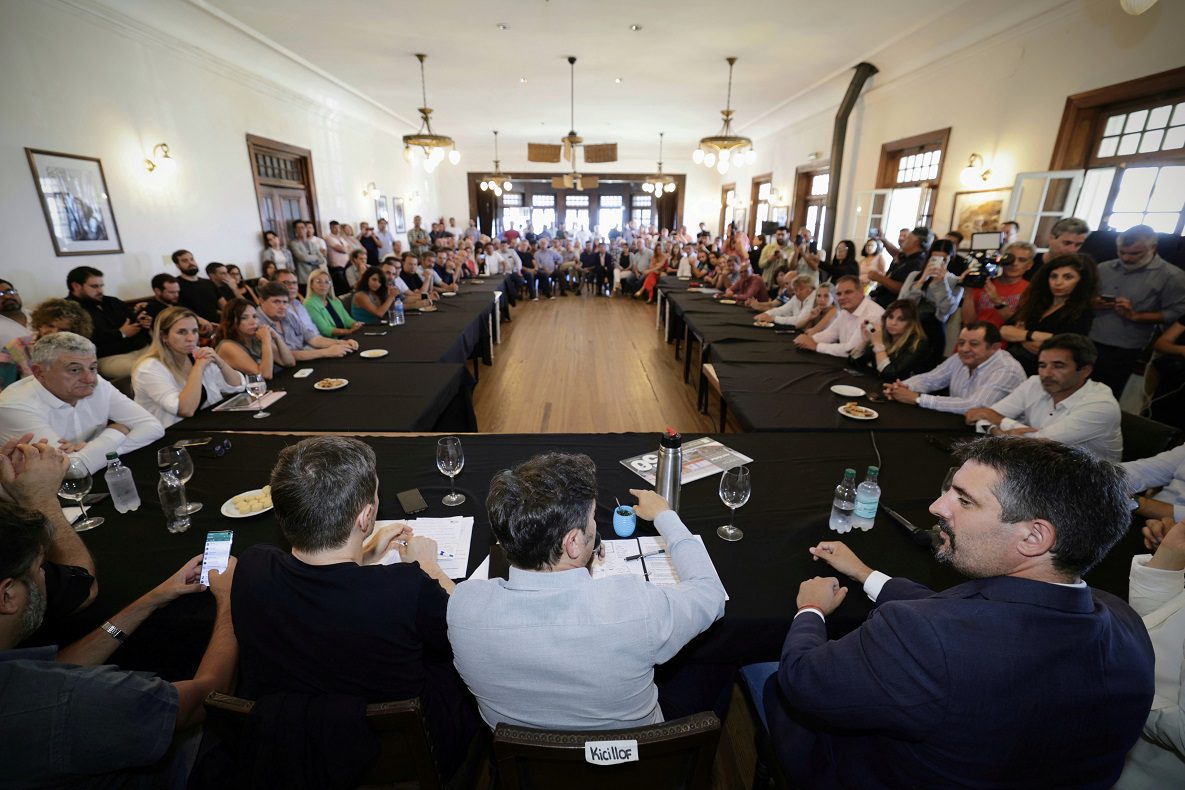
(1023, 677)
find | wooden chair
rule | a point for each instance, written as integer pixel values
(675, 754)
(1144, 438)
(405, 757)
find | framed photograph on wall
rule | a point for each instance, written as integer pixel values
(73, 193)
(398, 219)
(380, 209)
(978, 212)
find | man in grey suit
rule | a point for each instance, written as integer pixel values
(306, 253)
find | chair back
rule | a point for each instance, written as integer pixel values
(675, 754)
(1144, 438)
(405, 754)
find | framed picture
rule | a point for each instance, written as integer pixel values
(380, 209)
(978, 212)
(73, 195)
(398, 218)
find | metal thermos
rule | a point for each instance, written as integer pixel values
(668, 479)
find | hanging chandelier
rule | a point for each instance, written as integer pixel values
(430, 144)
(497, 181)
(725, 146)
(659, 183)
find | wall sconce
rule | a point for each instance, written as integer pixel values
(161, 160)
(975, 173)
(371, 191)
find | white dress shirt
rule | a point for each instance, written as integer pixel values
(160, 394)
(988, 383)
(1088, 419)
(844, 337)
(28, 407)
(1166, 469)
(788, 313)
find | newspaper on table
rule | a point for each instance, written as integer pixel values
(701, 458)
(452, 536)
(648, 562)
(244, 402)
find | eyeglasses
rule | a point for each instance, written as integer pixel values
(9, 292)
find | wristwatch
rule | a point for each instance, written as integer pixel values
(115, 631)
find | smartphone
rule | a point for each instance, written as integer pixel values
(412, 501)
(217, 553)
(1108, 298)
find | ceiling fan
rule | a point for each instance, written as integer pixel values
(593, 153)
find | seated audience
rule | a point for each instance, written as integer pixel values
(788, 313)
(414, 288)
(296, 308)
(14, 320)
(52, 315)
(748, 285)
(274, 253)
(915, 246)
(197, 293)
(177, 376)
(304, 342)
(372, 298)
(1166, 472)
(897, 343)
(1059, 299)
(843, 337)
(68, 404)
(933, 689)
(935, 289)
(822, 314)
(998, 299)
(239, 284)
(166, 292)
(327, 312)
(978, 374)
(874, 260)
(218, 274)
(328, 617)
(356, 268)
(109, 727)
(659, 265)
(1155, 592)
(1060, 402)
(119, 333)
(726, 273)
(774, 255)
(250, 346)
(547, 262)
(268, 270)
(843, 262)
(526, 646)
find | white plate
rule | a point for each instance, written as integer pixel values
(428, 309)
(847, 391)
(728, 301)
(448, 293)
(856, 417)
(375, 353)
(230, 511)
(318, 386)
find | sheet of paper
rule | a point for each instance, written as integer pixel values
(452, 536)
(72, 514)
(702, 458)
(482, 571)
(659, 568)
(615, 563)
(243, 402)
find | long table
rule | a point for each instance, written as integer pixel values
(793, 476)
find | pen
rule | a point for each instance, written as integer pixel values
(449, 555)
(644, 556)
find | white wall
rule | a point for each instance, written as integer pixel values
(81, 77)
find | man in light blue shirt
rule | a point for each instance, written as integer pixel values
(554, 648)
(977, 375)
(1166, 472)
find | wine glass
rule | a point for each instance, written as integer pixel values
(735, 487)
(75, 486)
(449, 460)
(256, 389)
(182, 463)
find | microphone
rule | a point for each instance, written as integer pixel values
(923, 537)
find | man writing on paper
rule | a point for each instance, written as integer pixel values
(551, 647)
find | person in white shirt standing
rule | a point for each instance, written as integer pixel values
(1060, 403)
(842, 337)
(67, 403)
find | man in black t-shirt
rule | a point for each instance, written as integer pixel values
(911, 257)
(120, 332)
(198, 294)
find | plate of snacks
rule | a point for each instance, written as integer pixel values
(728, 301)
(767, 324)
(330, 384)
(374, 353)
(857, 412)
(248, 503)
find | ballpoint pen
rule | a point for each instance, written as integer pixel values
(644, 556)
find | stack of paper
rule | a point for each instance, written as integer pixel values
(648, 562)
(452, 536)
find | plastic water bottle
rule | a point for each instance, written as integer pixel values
(120, 485)
(844, 503)
(868, 497)
(397, 312)
(171, 492)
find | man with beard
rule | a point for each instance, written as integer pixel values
(197, 293)
(549, 648)
(119, 332)
(1022, 677)
(14, 321)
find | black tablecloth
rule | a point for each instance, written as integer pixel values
(395, 396)
(453, 333)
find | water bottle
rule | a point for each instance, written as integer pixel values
(171, 492)
(397, 312)
(868, 497)
(120, 485)
(844, 503)
(669, 476)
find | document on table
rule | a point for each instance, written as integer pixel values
(452, 536)
(702, 458)
(656, 569)
(243, 402)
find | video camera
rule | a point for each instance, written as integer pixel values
(984, 265)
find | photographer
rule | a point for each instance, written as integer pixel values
(910, 258)
(997, 299)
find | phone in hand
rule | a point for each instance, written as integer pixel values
(1109, 298)
(216, 555)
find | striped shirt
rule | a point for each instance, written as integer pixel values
(989, 382)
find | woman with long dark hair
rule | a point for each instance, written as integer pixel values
(898, 346)
(843, 262)
(372, 297)
(1058, 300)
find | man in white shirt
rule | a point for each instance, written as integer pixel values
(66, 402)
(801, 302)
(385, 238)
(843, 337)
(978, 374)
(14, 321)
(1166, 472)
(1060, 403)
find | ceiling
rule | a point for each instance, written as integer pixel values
(672, 72)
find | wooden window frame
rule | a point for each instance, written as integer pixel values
(754, 190)
(724, 190)
(803, 174)
(892, 152)
(256, 145)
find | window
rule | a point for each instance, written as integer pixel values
(514, 211)
(641, 209)
(915, 168)
(759, 195)
(810, 199)
(912, 168)
(284, 187)
(576, 214)
(728, 199)
(1143, 131)
(1152, 196)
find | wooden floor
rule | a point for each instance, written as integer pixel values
(585, 364)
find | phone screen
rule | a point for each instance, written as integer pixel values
(217, 553)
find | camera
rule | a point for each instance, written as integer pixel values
(984, 266)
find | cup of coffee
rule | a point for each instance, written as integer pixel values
(624, 521)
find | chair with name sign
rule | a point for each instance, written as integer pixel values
(674, 754)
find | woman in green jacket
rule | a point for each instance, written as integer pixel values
(328, 313)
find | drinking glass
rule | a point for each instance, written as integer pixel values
(182, 464)
(449, 460)
(75, 486)
(256, 389)
(735, 487)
